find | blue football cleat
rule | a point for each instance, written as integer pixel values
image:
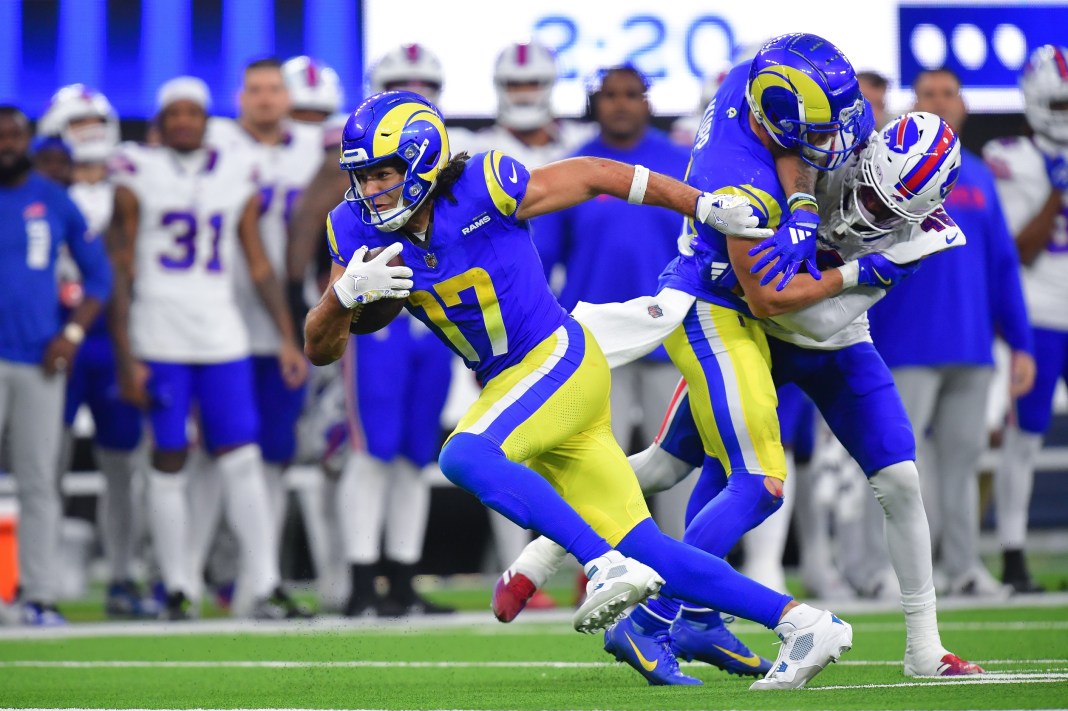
(41, 615)
(650, 655)
(711, 642)
(127, 600)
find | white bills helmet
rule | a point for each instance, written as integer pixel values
(902, 176)
(313, 86)
(525, 63)
(1045, 89)
(91, 142)
(410, 67)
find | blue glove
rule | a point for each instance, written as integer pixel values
(865, 125)
(878, 271)
(1057, 170)
(791, 247)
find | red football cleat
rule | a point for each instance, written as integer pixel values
(511, 594)
(952, 665)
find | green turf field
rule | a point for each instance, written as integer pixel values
(475, 663)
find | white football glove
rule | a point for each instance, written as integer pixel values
(367, 282)
(730, 214)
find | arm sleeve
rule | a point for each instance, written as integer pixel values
(89, 254)
(331, 241)
(1003, 271)
(825, 318)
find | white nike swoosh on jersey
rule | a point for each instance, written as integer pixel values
(513, 177)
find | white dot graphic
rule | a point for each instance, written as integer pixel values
(1010, 45)
(928, 46)
(969, 44)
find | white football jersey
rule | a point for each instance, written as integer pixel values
(284, 170)
(906, 244)
(1023, 187)
(183, 309)
(569, 137)
(95, 201)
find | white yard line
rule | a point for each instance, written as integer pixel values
(1016, 678)
(550, 623)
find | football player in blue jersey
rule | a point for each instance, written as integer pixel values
(474, 277)
(887, 201)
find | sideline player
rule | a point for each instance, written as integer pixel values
(287, 155)
(180, 211)
(86, 122)
(545, 394)
(1032, 182)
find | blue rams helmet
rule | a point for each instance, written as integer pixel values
(394, 126)
(803, 90)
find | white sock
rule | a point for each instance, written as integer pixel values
(361, 499)
(658, 470)
(908, 539)
(408, 505)
(798, 618)
(764, 545)
(249, 514)
(276, 494)
(115, 511)
(508, 539)
(204, 494)
(539, 560)
(168, 520)
(1013, 481)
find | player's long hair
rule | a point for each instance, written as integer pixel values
(448, 177)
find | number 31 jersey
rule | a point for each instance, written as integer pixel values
(479, 283)
(184, 309)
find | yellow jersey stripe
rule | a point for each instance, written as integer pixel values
(491, 165)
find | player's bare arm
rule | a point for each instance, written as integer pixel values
(121, 240)
(1036, 234)
(765, 300)
(294, 367)
(566, 183)
(326, 331)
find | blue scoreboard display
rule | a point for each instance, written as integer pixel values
(127, 48)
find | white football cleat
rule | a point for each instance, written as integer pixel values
(934, 661)
(615, 583)
(807, 649)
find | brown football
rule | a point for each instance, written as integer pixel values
(369, 318)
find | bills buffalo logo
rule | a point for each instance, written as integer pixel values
(902, 135)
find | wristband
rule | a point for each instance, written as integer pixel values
(638, 185)
(850, 274)
(74, 333)
(798, 200)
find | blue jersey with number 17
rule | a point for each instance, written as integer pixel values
(479, 283)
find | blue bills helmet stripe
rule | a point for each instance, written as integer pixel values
(914, 182)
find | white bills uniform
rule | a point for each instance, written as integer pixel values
(95, 200)
(1023, 188)
(183, 309)
(283, 171)
(902, 246)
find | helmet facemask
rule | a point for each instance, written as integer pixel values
(412, 193)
